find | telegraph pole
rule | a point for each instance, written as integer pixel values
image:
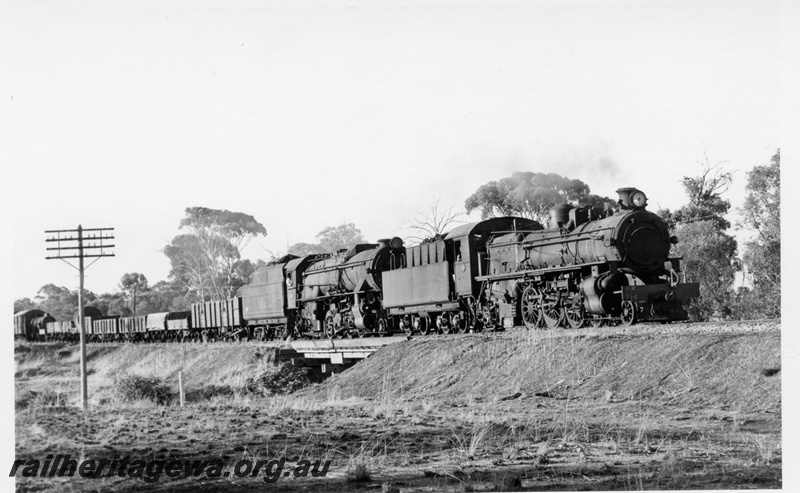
(66, 244)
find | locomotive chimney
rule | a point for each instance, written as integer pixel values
(395, 243)
(631, 198)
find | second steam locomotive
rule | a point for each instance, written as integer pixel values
(590, 266)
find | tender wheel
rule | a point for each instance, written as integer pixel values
(573, 313)
(628, 315)
(531, 305)
(406, 325)
(421, 325)
(458, 324)
(443, 324)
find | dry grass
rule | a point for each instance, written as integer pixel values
(471, 444)
(767, 447)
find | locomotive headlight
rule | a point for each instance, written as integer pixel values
(638, 199)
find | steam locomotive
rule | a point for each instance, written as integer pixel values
(591, 266)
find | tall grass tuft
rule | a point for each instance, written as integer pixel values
(358, 473)
(129, 387)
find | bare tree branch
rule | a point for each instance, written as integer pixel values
(436, 221)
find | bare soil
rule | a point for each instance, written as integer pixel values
(521, 411)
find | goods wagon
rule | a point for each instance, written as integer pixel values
(224, 315)
(90, 314)
(23, 323)
(168, 325)
(106, 328)
(62, 330)
(168, 321)
(133, 326)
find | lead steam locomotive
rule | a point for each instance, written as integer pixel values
(591, 266)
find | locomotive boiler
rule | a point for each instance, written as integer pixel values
(604, 266)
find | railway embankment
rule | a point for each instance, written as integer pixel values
(726, 364)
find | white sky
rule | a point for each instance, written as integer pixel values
(122, 114)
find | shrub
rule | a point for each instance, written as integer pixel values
(358, 473)
(50, 398)
(209, 392)
(506, 482)
(39, 399)
(131, 387)
(276, 380)
(21, 349)
(64, 353)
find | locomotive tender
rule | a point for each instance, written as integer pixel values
(589, 266)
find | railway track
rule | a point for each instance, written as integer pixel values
(730, 327)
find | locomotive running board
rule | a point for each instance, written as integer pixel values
(537, 272)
